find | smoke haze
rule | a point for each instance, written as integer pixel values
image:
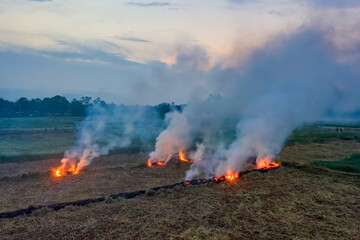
(294, 78)
(108, 127)
(291, 80)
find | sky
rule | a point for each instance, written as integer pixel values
(148, 52)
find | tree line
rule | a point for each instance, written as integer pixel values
(60, 106)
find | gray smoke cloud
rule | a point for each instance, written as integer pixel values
(289, 81)
(233, 114)
(109, 127)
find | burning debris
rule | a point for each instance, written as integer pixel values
(216, 160)
(61, 171)
(150, 164)
(229, 177)
(266, 164)
(257, 164)
(180, 158)
(104, 129)
(68, 167)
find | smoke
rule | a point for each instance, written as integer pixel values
(291, 80)
(107, 127)
(235, 116)
(173, 139)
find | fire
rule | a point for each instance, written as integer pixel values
(182, 157)
(159, 163)
(57, 173)
(73, 169)
(231, 176)
(61, 171)
(266, 163)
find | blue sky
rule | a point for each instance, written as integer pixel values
(146, 52)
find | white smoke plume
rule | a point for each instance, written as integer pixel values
(234, 115)
(109, 127)
(290, 81)
(173, 139)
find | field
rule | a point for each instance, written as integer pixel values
(315, 194)
(23, 139)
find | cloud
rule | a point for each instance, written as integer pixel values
(40, 0)
(151, 4)
(61, 72)
(313, 3)
(333, 3)
(133, 39)
(92, 70)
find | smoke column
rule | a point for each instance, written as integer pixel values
(106, 128)
(288, 82)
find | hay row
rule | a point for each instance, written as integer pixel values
(126, 195)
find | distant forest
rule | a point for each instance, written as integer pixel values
(60, 106)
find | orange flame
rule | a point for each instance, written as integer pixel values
(231, 176)
(57, 173)
(60, 171)
(182, 157)
(159, 163)
(266, 163)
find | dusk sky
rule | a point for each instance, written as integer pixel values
(146, 52)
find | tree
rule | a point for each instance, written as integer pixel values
(85, 100)
(7, 108)
(162, 109)
(77, 108)
(22, 107)
(98, 101)
(61, 105)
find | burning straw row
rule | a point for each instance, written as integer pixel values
(128, 195)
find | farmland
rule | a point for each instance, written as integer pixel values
(311, 196)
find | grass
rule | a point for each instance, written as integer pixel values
(28, 139)
(349, 164)
(288, 203)
(25, 139)
(39, 123)
(37, 145)
(322, 134)
(283, 204)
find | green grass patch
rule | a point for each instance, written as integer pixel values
(318, 135)
(26, 148)
(39, 123)
(349, 164)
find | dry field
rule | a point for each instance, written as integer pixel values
(288, 203)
